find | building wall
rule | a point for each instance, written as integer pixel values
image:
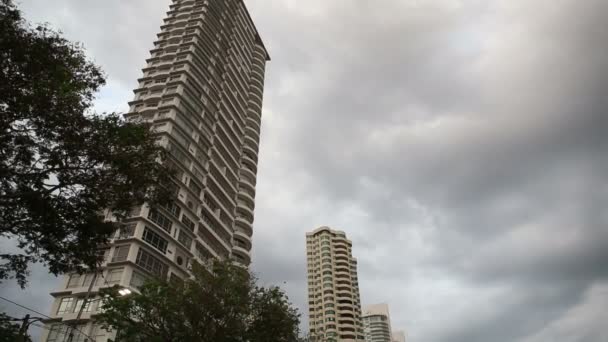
(201, 91)
(333, 287)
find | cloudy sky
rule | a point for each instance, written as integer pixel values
(460, 144)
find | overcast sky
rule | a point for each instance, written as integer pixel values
(460, 144)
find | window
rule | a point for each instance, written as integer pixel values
(197, 189)
(173, 208)
(150, 263)
(98, 333)
(180, 138)
(176, 280)
(57, 333)
(65, 305)
(114, 276)
(188, 223)
(184, 239)
(104, 254)
(87, 307)
(121, 253)
(160, 219)
(79, 336)
(155, 240)
(137, 280)
(126, 231)
(88, 278)
(74, 280)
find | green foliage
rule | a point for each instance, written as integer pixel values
(224, 305)
(60, 164)
(9, 329)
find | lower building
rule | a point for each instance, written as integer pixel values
(377, 323)
(398, 336)
(333, 288)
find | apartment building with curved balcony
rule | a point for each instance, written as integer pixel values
(201, 91)
(333, 287)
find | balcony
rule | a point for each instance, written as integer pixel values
(243, 255)
(242, 224)
(251, 143)
(241, 235)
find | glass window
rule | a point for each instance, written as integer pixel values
(126, 231)
(57, 333)
(184, 239)
(74, 280)
(150, 263)
(98, 333)
(197, 189)
(173, 209)
(155, 240)
(188, 223)
(180, 138)
(87, 307)
(121, 253)
(87, 279)
(137, 279)
(160, 219)
(104, 254)
(114, 276)
(65, 305)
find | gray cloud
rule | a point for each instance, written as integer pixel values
(459, 143)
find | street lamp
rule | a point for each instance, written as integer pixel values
(124, 292)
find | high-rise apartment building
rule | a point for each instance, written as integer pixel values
(202, 92)
(333, 287)
(377, 323)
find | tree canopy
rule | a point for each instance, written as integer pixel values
(9, 330)
(220, 304)
(61, 165)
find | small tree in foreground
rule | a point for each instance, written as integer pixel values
(224, 305)
(60, 165)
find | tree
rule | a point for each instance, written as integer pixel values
(10, 331)
(221, 305)
(61, 165)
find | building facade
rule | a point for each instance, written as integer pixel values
(333, 287)
(201, 91)
(377, 323)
